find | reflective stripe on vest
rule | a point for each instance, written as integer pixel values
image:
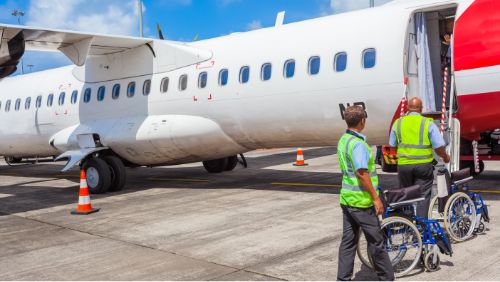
(352, 194)
(414, 145)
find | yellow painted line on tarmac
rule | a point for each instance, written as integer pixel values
(181, 180)
(10, 174)
(486, 191)
(306, 184)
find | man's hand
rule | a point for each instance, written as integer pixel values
(446, 159)
(441, 151)
(379, 207)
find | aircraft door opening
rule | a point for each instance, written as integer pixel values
(427, 54)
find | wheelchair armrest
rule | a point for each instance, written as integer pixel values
(463, 181)
(461, 176)
(405, 203)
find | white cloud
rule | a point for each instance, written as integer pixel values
(341, 6)
(254, 25)
(113, 17)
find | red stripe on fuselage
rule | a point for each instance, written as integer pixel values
(478, 113)
(477, 36)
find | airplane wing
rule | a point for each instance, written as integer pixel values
(55, 40)
(78, 46)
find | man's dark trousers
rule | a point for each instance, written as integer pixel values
(418, 174)
(366, 219)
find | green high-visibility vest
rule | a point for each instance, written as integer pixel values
(414, 145)
(352, 194)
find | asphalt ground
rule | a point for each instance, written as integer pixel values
(270, 221)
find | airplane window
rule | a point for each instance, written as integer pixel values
(146, 88)
(87, 95)
(244, 74)
(50, 100)
(74, 97)
(18, 104)
(266, 72)
(289, 70)
(27, 105)
(202, 80)
(340, 62)
(369, 58)
(38, 103)
(7, 106)
(183, 81)
(314, 65)
(101, 92)
(61, 98)
(131, 89)
(223, 77)
(164, 85)
(116, 92)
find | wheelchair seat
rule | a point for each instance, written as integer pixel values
(402, 196)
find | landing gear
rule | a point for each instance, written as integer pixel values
(13, 160)
(98, 175)
(232, 162)
(105, 173)
(216, 166)
(224, 164)
(118, 173)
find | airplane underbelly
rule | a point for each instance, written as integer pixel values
(169, 139)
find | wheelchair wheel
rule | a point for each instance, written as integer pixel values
(431, 262)
(434, 210)
(362, 251)
(460, 217)
(402, 242)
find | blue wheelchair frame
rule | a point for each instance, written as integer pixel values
(428, 228)
(477, 199)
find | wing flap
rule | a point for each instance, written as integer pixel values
(52, 40)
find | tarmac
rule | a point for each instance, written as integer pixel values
(270, 221)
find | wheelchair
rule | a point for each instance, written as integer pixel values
(408, 239)
(462, 212)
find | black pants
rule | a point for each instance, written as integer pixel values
(366, 219)
(419, 174)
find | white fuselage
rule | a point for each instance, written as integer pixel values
(217, 121)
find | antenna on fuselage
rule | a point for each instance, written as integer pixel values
(139, 12)
(280, 19)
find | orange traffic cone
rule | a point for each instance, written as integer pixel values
(300, 158)
(84, 207)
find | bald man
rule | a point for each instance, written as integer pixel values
(415, 138)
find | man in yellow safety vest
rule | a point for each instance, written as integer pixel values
(359, 199)
(416, 137)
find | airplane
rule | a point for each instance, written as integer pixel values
(147, 102)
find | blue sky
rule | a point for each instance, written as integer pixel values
(180, 19)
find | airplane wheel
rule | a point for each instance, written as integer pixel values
(13, 160)
(232, 162)
(98, 175)
(118, 173)
(216, 166)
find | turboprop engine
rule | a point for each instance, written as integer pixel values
(11, 53)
